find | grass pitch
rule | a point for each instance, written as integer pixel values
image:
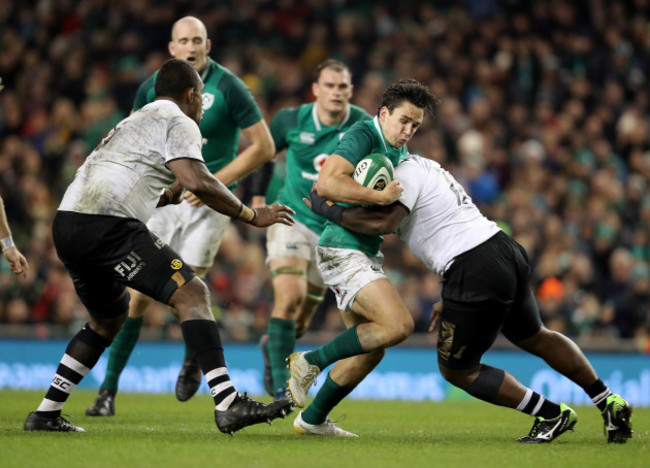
(157, 431)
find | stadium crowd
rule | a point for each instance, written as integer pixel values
(545, 120)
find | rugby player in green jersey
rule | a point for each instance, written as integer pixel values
(191, 228)
(350, 262)
(309, 134)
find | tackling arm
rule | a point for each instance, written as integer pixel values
(194, 176)
(376, 220)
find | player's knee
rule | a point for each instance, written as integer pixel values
(461, 378)
(288, 307)
(116, 312)
(192, 301)
(373, 358)
(403, 329)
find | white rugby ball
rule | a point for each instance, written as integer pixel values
(374, 171)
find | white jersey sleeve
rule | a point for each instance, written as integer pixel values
(443, 221)
(125, 175)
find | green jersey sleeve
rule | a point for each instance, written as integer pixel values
(240, 101)
(145, 93)
(281, 123)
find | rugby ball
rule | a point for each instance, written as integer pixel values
(374, 171)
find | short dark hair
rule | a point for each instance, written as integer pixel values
(412, 91)
(335, 65)
(174, 78)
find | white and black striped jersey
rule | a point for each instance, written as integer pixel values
(125, 175)
(443, 221)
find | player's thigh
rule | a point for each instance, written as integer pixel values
(378, 301)
(465, 334)
(346, 271)
(201, 234)
(297, 241)
(524, 319)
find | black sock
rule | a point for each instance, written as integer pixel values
(598, 392)
(536, 405)
(80, 357)
(204, 342)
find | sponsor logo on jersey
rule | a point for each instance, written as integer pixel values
(307, 138)
(375, 268)
(177, 264)
(208, 100)
(291, 246)
(319, 161)
(130, 266)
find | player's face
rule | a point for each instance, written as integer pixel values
(189, 42)
(333, 90)
(400, 125)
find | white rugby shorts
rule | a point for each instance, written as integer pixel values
(193, 232)
(346, 271)
(297, 241)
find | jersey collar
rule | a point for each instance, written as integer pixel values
(375, 121)
(319, 126)
(206, 70)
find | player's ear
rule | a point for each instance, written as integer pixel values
(208, 45)
(170, 48)
(189, 95)
(314, 89)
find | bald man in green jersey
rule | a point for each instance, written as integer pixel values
(191, 228)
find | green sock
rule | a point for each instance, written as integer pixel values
(343, 346)
(280, 344)
(326, 399)
(120, 352)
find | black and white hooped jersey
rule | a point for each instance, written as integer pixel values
(443, 221)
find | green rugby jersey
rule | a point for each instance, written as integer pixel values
(361, 140)
(228, 106)
(308, 143)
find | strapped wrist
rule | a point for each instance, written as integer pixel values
(246, 214)
(7, 243)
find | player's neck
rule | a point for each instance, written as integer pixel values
(330, 118)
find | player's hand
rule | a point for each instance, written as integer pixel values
(258, 201)
(17, 262)
(170, 197)
(271, 214)
(193, 199)
(391, 193)
(436, 312)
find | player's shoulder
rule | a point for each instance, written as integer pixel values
(287, 115)
(416, 164)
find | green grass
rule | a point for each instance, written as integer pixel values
(157, 431)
